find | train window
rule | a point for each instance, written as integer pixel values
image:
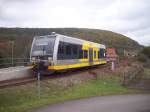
(61, 48)
(61, 51)
(94, 54)
(102, 53)
(80, 54)
(85, 52)
(68, 49)
(74, 49)
(98, 55)
(43, 46)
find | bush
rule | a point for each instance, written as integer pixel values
(146, 51)
(1, 61)
(144, 55)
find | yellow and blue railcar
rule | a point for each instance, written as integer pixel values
(60, 52)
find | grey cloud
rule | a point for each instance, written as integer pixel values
(136, 25)
(10, 1)
(130, 17)
(135, 12)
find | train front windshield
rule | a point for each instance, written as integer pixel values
(43, 46)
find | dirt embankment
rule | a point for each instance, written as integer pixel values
(136, 75)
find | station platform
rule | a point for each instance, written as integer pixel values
(15, 73)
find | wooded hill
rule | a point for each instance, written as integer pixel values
(22, 38)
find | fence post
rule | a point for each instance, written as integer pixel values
(39, 79)
(39, 85)
(124, 78)
(112, 65)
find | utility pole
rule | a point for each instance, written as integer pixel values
(112, 65)
(39, 85)
(39, 78)
(12, 52)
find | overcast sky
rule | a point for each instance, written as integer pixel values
(128, 17)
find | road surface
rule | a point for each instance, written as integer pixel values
(121, 103)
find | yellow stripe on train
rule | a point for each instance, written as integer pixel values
(68, 66)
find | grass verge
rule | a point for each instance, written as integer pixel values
(23, 98)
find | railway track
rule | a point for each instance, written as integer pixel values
(22, 81)
(16, 82)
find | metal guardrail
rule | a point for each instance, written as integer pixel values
(9, 62)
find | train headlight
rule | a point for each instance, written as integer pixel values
(49, 59)
(33, 59)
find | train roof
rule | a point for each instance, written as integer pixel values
(68, 37)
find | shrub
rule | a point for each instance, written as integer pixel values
(146, 51)
(144, 55)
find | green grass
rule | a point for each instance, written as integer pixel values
(99, 87)
(22, 98)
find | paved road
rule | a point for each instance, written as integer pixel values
(121, 103)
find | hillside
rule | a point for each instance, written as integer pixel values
(22, 38)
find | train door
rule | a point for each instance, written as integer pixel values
(91, 56)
